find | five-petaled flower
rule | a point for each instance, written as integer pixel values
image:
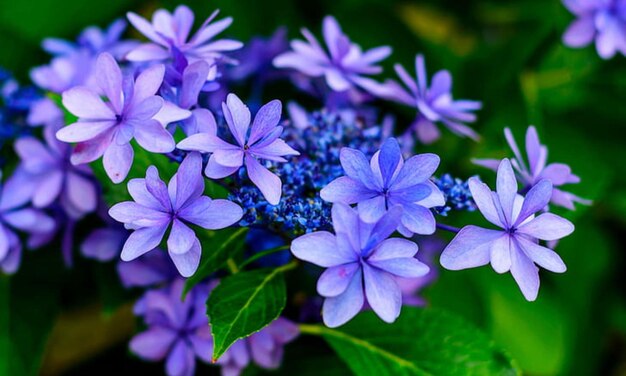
(360, 257)
(537, 169)
(170, 34)
(515, 246)
(259, 141)
(132, 111)
(434, 104)
(601, 20)
(157, 206)
(345, 66)
(387, 180)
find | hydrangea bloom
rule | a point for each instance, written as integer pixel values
(170, 34)
(132, 111)
(104, 244)
(320, 135)
(514, 247)
(601, 20)
(360, 257)
(345, 66)
(387, 181)
(178, 331)
(259, 141)
(150, 269)
(157, 206)
(14, 216)
(537, 168)
(264, 348)
(434, 103)
(52, 178)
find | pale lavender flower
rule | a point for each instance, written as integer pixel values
(15, 216)
(132, 111)
(514, 247)
(44, 112)
(360, 257)
(257, 141)
(264, 348)
(344, 66)
(170, 33)
(178, 331)
(434, 103)
(51, 178)
(157, 206)
(537, 169)
(602, 21)
(73, 63)
(255, 59)
(386, 181)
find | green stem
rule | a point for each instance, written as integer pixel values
(232, 266)
(263, 254)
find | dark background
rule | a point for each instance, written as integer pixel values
(509, 55)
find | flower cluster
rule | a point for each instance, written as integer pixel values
(335, 186)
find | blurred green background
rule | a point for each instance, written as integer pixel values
(509, 55)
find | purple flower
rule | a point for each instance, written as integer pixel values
(14, 216)
(184, 91)
(265, 348)
(170, 34)
(360, 257)
(178, 331)
(344, 66)
(73, 62)
(132, 111)
(537, 169)
(410, 287)
(157, 206)
(259, 141)
(514, 247)
(387, 181)
(150, 269)
(51, 178)
(434, 104)
(601, 20)
(255, 59)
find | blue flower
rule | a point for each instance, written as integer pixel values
(386, 181)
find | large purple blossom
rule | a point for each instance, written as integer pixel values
(601, 20)
(178, 331)
(157, 206)
(344, 66)
(15, 216)
(387, 181)
(514, 247)
(264, 348)
(537, 168)
(360, 257)
(170, 34)
(51, 178)
(132, 111)
(253, 142)
(434, 103)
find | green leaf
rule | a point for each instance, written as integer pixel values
(420, 342)
(244, 303)
(218, 247)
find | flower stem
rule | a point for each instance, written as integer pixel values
(312, 329)
(263, 254)
(444, 227)
(232, 266)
